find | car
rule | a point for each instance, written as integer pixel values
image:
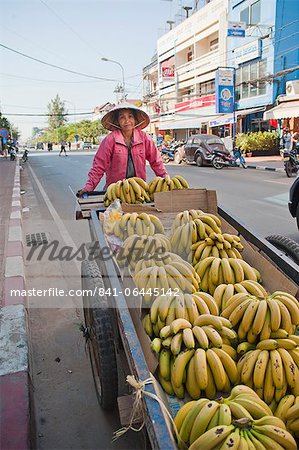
(294, 200)
(199, 148)
(86, 145)
(39, 146)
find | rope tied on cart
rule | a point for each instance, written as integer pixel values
(139, 387)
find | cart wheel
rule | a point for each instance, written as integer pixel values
(288, 246)
(99, 336)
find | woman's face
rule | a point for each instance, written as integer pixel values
(126, 120)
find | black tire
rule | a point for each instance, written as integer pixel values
(100, 336)
(218, 162)
(289, 169)
(199, 160)
(288, 246)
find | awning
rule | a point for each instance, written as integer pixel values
(180, 124)
(225, 119)
(284, 110)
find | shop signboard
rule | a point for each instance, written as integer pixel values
(224, 87)
(167, 68)
(236, 29)
(248, 52)
(200, 102)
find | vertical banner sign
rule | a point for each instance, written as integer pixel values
(224, 86)
(167, 69)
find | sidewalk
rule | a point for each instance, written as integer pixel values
(271, 163)
(14, 351)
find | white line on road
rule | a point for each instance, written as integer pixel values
(47, 166)
(60, 225)
(278, 182)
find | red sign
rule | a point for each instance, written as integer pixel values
(168, 72)
(200, 102)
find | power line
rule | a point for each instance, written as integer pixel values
(47, 115)
(58, 67)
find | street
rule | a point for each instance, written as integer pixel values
(66, 410)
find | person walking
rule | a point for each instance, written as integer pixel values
(62, 148)
(70, 145)
(123, 152)
(286, 140)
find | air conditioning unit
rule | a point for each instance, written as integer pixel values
(292, 87)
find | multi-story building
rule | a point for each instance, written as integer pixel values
(180, 81)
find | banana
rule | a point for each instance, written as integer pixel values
(165, 332)
(274, 313)
(248, 366)
(238, 411)
(290, 368)
(188, 338)
(244, 347)
(208, 319)
(179, 324)
(267, 344)
(287, 344)
(182, 414)
(217, 369)
(254, 288)
(147, 325)
(182, 180)
(286, 320)
(166, 385)
(227, 294)
(191, 383)
(266, 330)
(229, 365)
(279, 436)
(241, 390)
(211, 390)
(210, 302)
(176, 343)
(232, 441)
(237, 268)
(164, 364)
(269, 388)
(259, 317)
(230, 351)
(212, 438)
(260, 369)
(249, 272)
(249, 315)
(201, 337)
(164, 305)
(202, 420)
(265, 441)
(200, 368)
(237, 315)
(218, 295)
(293, 307)
(203, 265)
(225, 415)
(213, 336)
(188, 421)
(256, 407)
(277, 369)
(293, 412)
(179, 367)
(227, 271)
(233, 303)
(284, 407)
(156, 345)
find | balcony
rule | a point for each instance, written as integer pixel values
(206, 63)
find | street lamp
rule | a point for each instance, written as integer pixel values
(187, 9)
(123, 74)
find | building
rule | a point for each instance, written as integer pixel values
(179, 82)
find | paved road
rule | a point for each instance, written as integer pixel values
(67, 413)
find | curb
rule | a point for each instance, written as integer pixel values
(270, 169)
(14, 341)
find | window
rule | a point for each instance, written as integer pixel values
(189, 55)
(250, 72)
(214, 44)
(207, 88)
(252, 14)
(196, 141)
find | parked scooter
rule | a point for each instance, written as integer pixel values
(222, 159)
(25, 155)
(168, 153)
(290, 161)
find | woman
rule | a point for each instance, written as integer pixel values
(123, 152)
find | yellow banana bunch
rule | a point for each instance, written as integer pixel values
(137, 223)
(130, 190)
(224, 292)
(270, 369)
(139, 248)
(288, 411)
(215, 271)
(159, 184)
(260, 317)
(216, 245)
(177, 277)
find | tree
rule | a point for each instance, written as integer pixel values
(4, 123)
(57, 113)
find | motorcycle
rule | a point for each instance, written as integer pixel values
(25, 155)
(221, 159)
(290, 161)
(12, 153)
(169, 153)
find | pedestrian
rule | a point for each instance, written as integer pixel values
(286, 140)
(50, 146)
(123, 152)
(70, 145)
(62, 148)
(295, 139)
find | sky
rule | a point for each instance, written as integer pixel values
(75, 34)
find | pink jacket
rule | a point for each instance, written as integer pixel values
(112, 157)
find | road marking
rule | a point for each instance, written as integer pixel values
(47, 166)
(281, 199)
(277, 182)
(60, 225)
